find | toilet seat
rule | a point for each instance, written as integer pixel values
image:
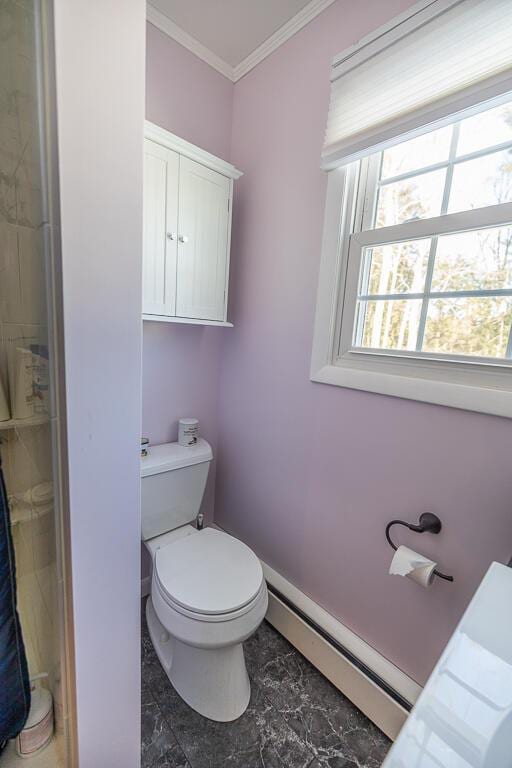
(209, 576)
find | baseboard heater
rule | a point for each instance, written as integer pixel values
(356, 662)
(382, 691)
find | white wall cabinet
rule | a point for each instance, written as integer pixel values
(187, 231)
(161, 176)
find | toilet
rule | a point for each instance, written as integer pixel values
(208, 594)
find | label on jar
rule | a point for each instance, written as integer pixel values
(35, 738)
(188, 432)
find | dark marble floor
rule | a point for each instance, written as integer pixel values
(295, 719)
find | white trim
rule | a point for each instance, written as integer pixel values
(376, 704)
(185, 320)
(448, 223)
(480, 399)
(171, 141)
(166, 25)
(332, 267)
(280, 36)
(380, 708)
(384, 711)
(416, 119)
(284, 33)
(393, 30)
(385, 669)
(474, 385)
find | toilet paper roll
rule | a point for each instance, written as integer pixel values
(407, 562)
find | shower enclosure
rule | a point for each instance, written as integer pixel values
(31, 407)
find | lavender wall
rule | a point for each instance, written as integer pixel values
(186, 96)
(181, 363)
(309, 474)
(100, 111)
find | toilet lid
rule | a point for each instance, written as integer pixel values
(209, 572)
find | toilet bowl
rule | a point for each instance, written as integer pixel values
(208, 594)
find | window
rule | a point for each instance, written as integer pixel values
(430, 283)
(415, 292)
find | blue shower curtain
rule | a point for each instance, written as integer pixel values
(14, 680)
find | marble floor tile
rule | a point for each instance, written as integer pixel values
(295, 719)
(333, 728)
(266, 645)
(146, 697)
(159, 745)
(258, 739)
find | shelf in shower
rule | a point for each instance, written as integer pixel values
(32, 421)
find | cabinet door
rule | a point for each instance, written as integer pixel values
(202, 242)
(161, 174)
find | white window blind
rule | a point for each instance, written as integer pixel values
(444, 58)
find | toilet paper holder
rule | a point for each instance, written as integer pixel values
(429, 523)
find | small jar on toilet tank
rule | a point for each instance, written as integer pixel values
(188, 432)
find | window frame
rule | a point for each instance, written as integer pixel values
(477, 384)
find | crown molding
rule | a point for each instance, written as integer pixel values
(280, 36)
(284, 33)
(166, 25)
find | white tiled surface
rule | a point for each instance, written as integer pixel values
(26, 453)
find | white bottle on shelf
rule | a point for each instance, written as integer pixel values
(21, 385)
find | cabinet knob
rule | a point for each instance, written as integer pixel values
(183, 239)
(171, 235)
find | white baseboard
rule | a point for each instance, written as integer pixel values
(392, 676)
(357, 686)
(366, 694)
(360, 688)
(377, 705)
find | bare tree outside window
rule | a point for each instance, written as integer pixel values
(445, 294)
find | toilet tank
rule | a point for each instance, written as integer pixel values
(173, 483)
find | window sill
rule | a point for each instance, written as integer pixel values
(413, 384)
(471, 386)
